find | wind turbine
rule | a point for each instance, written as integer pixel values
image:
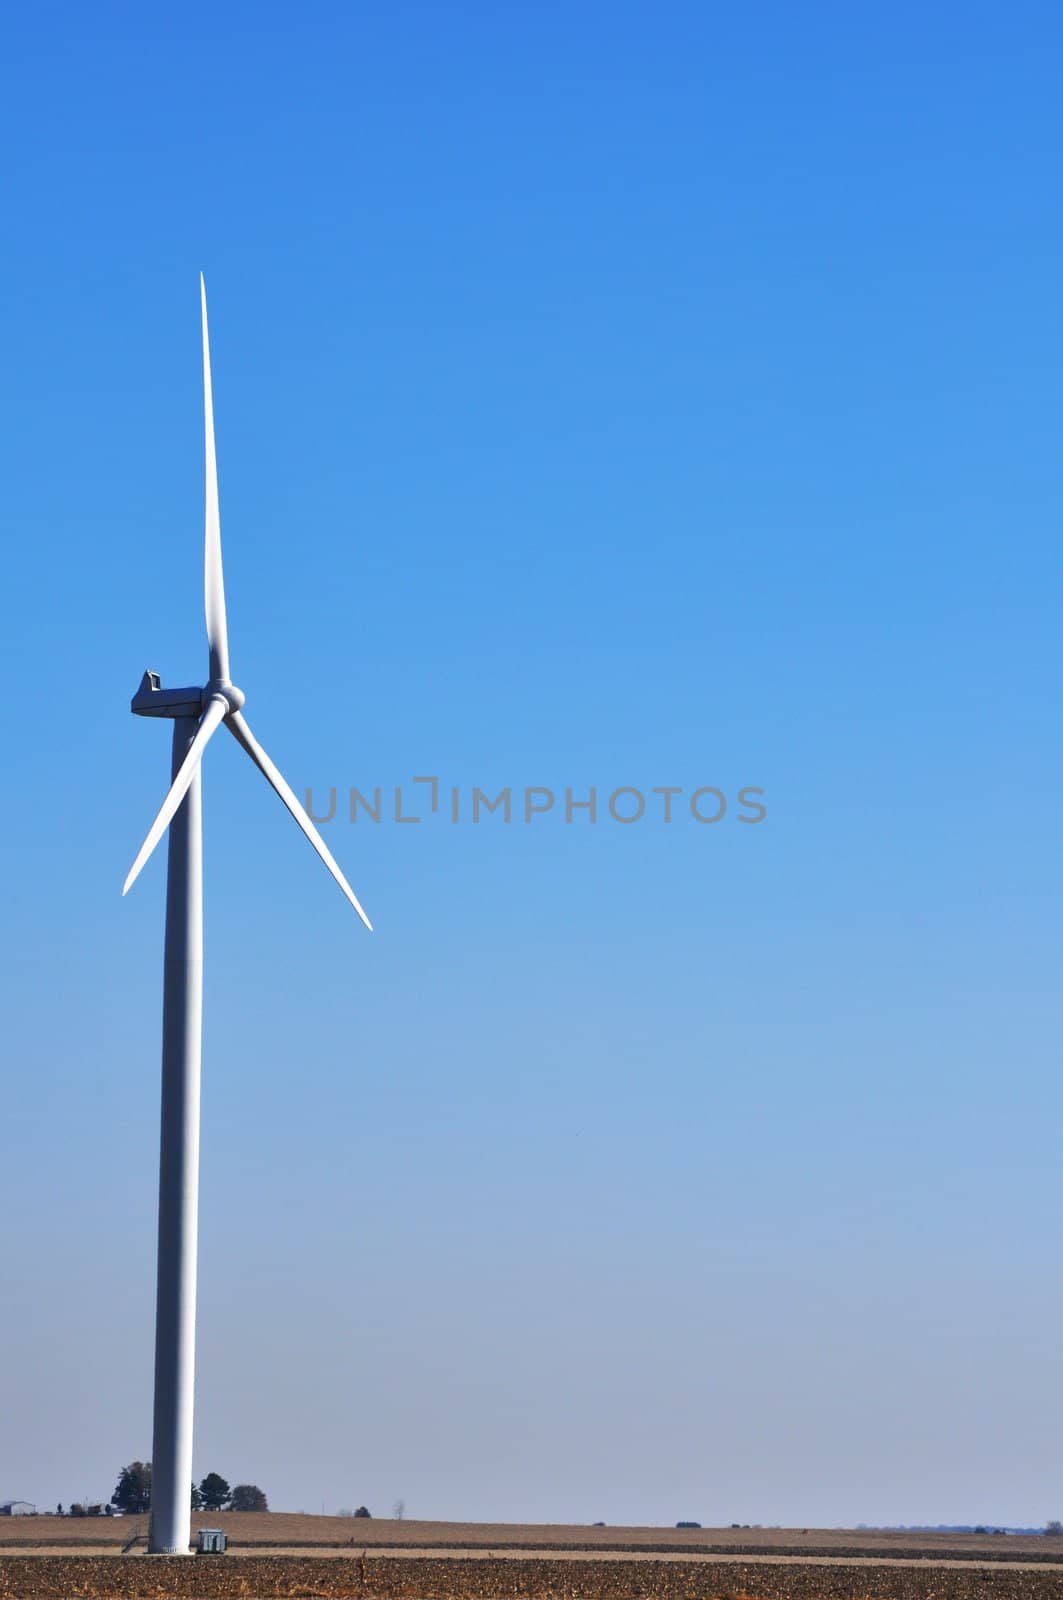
(197, 714)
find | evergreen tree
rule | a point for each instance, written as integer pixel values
(215, 1492)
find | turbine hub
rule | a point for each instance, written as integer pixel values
(233, 697)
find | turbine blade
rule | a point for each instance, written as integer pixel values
(243, 736)
(208, 726)
(213, 580)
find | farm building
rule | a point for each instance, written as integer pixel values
(17, 1508)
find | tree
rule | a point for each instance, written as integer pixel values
(215, 1492)
(197, 1499)
(248, 1497)
(363, 1512)
(133, 1489)
(1054, 1529)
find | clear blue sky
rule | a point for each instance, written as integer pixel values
(610, 394)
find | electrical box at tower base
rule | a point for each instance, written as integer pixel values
(211, 1542)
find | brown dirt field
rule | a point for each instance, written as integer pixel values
(448, 1578)
(279, 1530)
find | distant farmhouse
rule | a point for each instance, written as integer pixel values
(17, 1508)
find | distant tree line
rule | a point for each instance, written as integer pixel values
(132, 1492)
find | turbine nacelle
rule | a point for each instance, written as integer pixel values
(152, 700)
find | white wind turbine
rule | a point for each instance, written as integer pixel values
(196, 714)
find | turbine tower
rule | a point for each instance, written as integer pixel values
(196, 714)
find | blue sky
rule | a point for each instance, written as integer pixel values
(609, 395)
